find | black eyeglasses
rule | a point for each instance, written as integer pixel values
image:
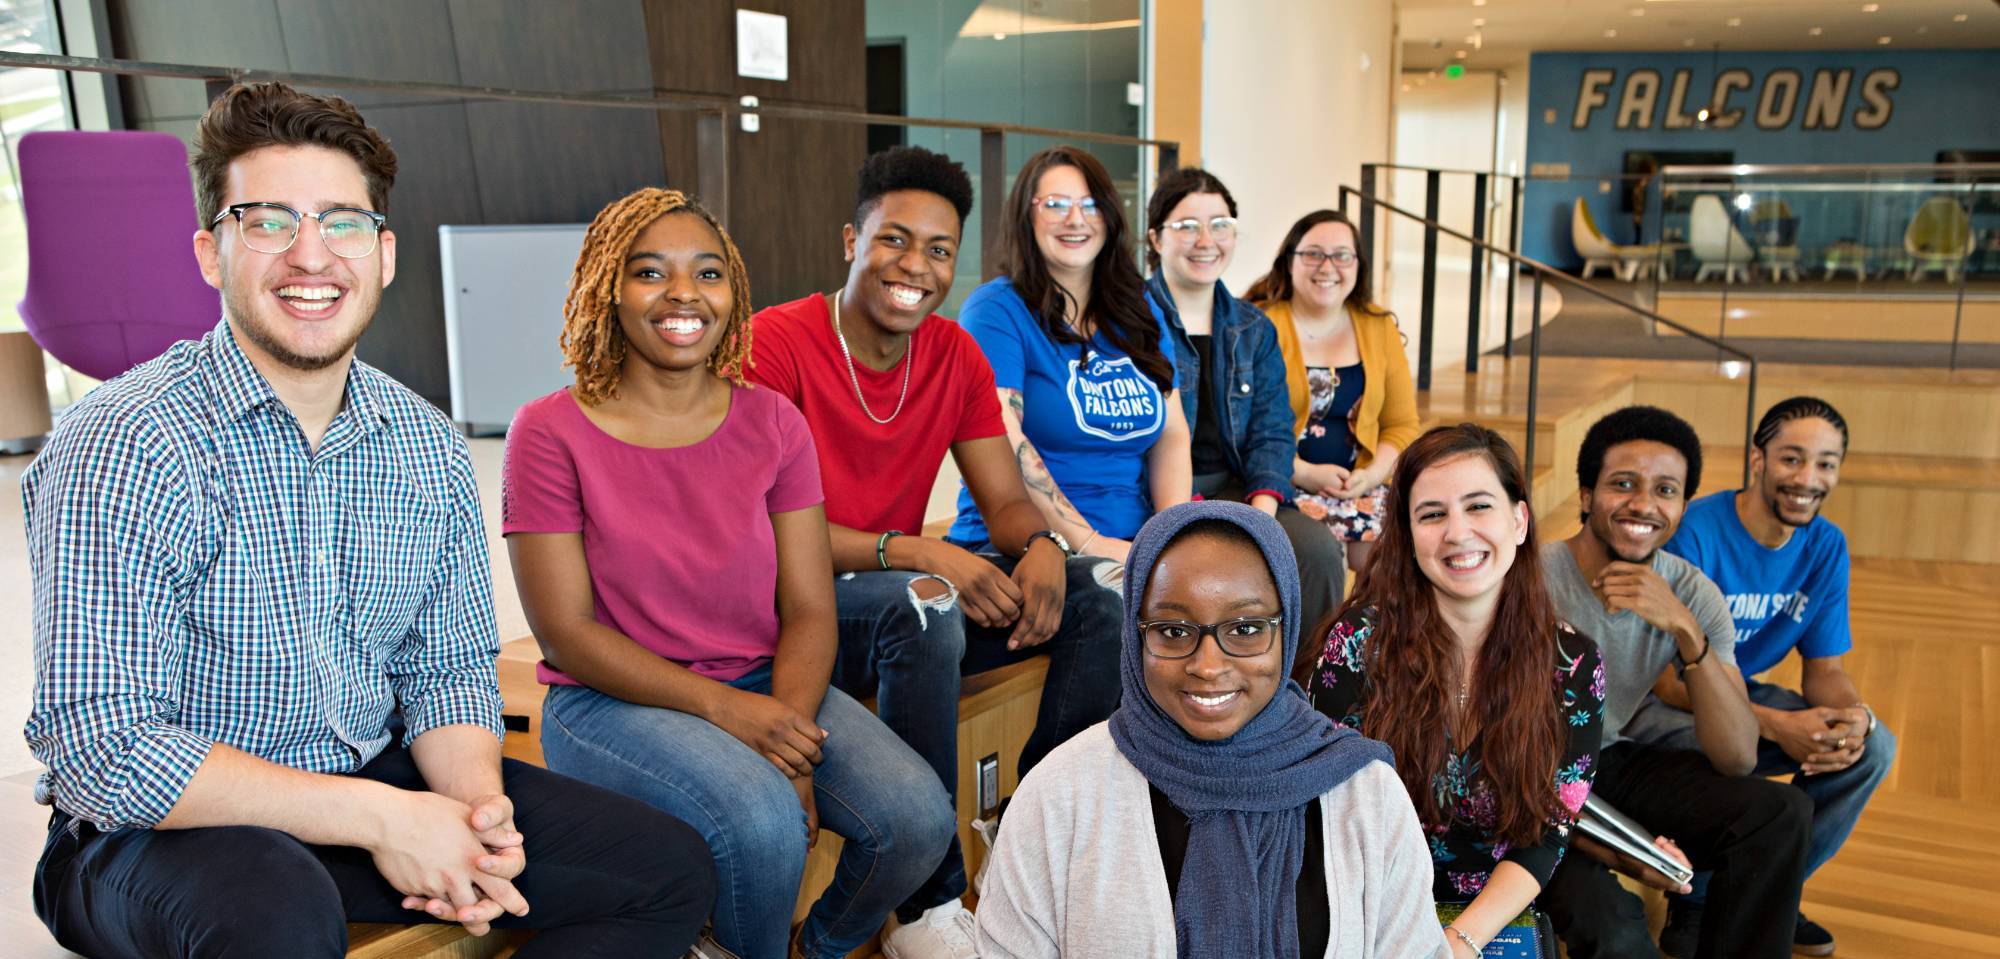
(348, 232)
(1178, 639)
(1314, 259)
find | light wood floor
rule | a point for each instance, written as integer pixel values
(1916, 879)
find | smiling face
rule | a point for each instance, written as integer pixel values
(1204, 578)
(1794, 472)
(1069, 244)
(1638, 500)
(1326, 286)
(901, 258)
(304, 308)
(1464, 529)
(1200, 259)
(674, 301)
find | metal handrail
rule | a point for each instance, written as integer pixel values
(673, 100)
(1540, 270)
(713, 116)
(1427, 169)
(666, 101)
(1818, 169)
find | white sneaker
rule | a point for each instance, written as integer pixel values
(942, 932)
(706, 947)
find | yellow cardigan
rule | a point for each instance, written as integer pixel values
(1387, 412)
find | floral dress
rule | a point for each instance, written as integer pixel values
(1463, 850)
(1328, 437)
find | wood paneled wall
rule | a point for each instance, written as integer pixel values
(473, 162)
(791, 184)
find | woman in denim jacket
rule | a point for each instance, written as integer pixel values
(1232, 374)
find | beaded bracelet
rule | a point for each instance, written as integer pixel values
(1462, 937)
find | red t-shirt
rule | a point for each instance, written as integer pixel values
(877, 477)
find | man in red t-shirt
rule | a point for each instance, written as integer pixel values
(889, 388)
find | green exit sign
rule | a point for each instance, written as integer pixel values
(1454, 71)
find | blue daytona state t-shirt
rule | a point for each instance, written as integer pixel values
(1792, 597)
(1089, 410)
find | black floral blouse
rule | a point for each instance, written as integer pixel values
(1463, 851)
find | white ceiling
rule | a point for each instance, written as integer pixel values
(1434, 31)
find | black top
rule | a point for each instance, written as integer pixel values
(1328, 436)
(1207, 452)
(1170, 827)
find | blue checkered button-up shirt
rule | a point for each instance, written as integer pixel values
(201, 576)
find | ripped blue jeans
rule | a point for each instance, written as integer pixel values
(908, 652)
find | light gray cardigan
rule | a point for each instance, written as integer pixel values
(1077, 873)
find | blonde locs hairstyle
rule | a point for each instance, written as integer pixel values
(593, 344)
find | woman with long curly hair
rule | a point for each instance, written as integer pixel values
(1081, 361)
(1451, 653)
(666, 529)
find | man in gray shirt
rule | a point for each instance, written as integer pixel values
(1648, 609)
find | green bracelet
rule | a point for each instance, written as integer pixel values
(882, 547)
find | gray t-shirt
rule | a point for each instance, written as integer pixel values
(1634, 652)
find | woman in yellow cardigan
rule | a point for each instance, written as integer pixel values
(1351, 393)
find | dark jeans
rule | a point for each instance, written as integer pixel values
(1837, 797)
(1751, 832)
(909, 655)
(606, 876)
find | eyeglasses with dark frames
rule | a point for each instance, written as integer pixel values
(348, 232)
(1314, 258)
(1243, 637)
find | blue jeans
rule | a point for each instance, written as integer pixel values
(870, 789)
(1837, 797)
(909, 655)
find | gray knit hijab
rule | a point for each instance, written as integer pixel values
(1245, 796)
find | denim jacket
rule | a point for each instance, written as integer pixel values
(1247, 378)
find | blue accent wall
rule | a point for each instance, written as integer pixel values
(1942, 99)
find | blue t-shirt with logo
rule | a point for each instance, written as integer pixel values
(1792, 597)
(1088, 409)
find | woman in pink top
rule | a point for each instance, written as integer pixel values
(667, 536)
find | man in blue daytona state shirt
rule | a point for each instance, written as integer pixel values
(1783, 570)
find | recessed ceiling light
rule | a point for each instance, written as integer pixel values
(1406, 88)
(1478, 3)
(1638, 11)
(1610, 33)
(1478, 21)
(1816, 31)
(1870, 7)
(1735, 21)
(1882, 40)
(1958, 18)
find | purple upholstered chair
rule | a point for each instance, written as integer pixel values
(112, 278)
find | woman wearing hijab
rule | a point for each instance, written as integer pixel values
(1216, 814)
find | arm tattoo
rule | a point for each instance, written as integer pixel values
(1035, 473)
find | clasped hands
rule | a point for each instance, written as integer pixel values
(1820, 739)
(1327, 479)
(453, 860)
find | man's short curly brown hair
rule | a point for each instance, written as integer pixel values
(251, 116)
